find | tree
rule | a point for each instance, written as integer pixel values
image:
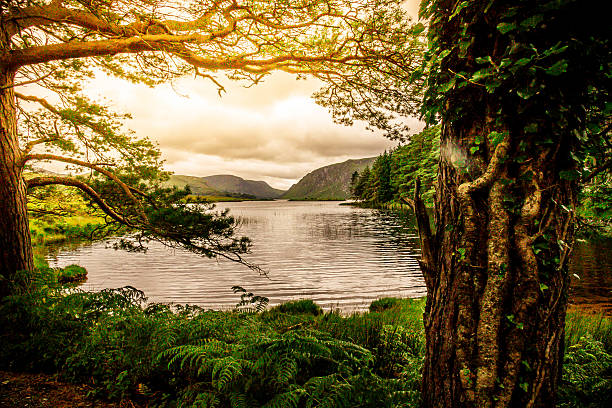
(381, 185)
(417, 159)
(362, 185)
(512, 83)
(362, 51)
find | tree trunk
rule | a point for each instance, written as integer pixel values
(496, 270)
(15, 243)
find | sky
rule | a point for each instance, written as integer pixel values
(273, 131)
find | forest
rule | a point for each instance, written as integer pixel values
(511, 170)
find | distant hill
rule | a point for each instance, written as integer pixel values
(238, 185)
(328, 183)
(225, 185)
(197, 184)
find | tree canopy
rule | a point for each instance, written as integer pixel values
(362, 51)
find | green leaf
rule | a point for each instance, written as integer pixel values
(557, 68)
(458, 9)
(461, 252)
(447, 86)
(443, 54)
(543, 287)
(506, 27)
(481, 73)
(474, 149)
(417, 29)
(526, 93)
(532, 21)
(484, 60)
(497, 137)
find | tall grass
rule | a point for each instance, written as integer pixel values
(293, 355)
(579, 325)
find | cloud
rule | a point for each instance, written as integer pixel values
(273, 131)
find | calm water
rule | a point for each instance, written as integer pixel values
(339, 256)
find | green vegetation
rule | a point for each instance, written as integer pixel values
(58, 213)
(302, 306)
(392, 175)
(293, 355)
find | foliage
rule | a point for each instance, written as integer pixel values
(359, 50)
(383, 304)
(183, 355)
(579, 325)
(393, 174)
(302, 306)
(127, 347)
(587, 375)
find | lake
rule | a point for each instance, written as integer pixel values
(340, 256)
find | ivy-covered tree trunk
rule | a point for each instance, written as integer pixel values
(511, 83)
(497, 272)
(15, 243)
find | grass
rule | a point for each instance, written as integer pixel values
(292, 355)
(44, 231)
(579, 325)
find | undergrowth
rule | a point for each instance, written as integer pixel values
(289, 356)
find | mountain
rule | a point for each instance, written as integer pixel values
(328, 183)
(238, 185)
(225, 185)
(197, 184)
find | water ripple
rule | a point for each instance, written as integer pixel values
(341, 257)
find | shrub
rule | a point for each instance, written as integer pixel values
(302, 306)
(587, 375)
(382, 304)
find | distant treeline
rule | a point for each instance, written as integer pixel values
(393, 173)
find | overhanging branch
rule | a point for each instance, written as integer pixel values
(93, 194)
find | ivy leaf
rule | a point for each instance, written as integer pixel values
(496, 137)
(557, 68)
(447, 86)
(417, 29)
(506, 27)
(484, 60)
(531, 22)
(458, 9)
(526, 93)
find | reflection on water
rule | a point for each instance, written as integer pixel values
(339, 256)
(591, 288)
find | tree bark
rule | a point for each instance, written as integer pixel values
(15, 243)
(497, 270)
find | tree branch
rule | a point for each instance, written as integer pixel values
(126, 188)
(67, 181)
(425, 236)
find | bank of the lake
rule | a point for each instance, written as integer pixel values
(341, 256)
